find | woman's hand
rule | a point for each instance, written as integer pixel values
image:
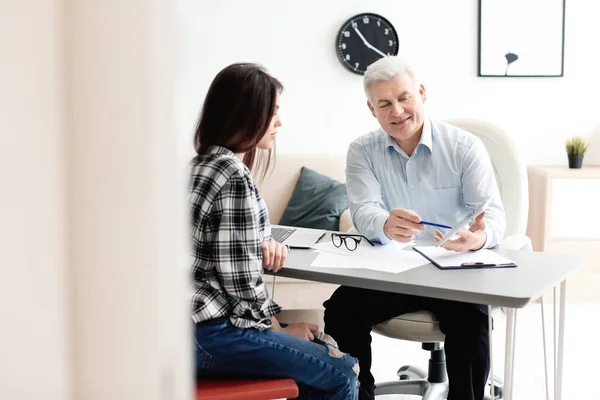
(302, 330)
(274, 255)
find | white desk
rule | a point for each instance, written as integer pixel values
(509, 287)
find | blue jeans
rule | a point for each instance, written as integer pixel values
(223, 349)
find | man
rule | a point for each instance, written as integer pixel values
(415, 168)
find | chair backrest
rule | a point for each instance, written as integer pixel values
(510, 170)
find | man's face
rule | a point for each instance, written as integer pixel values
(398, 106)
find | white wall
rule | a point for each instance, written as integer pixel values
(34, 352)
(323, 107)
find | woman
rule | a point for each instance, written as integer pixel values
(236, 332)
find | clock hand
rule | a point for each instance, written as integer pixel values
(369, 45)
(363, 38)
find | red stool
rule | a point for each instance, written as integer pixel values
(251, 389)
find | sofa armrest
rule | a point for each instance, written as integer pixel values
(517, 242)
(346, 224)
(345, 221)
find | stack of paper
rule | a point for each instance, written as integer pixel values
(392, 257)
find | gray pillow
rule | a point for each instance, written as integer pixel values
(317, 202)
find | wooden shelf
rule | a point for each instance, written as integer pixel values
(582, 286)
(561, 172)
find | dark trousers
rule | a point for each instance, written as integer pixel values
(351, 313)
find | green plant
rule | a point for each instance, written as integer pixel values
(576, 146)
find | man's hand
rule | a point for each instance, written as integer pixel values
(472, 239)
(402, 225)
(274, 255)
(302, 330)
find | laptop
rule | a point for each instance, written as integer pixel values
(300, 238)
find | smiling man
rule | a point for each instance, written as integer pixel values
(415, 168)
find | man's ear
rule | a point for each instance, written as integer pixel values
(422, 93)
(371, 108)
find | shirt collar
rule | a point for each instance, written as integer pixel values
(426, 135)
(219, 150)
(426, 138)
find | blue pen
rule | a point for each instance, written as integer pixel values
(438, 225)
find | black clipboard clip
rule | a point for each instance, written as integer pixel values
(477, 264)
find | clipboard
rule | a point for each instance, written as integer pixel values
(470, 261)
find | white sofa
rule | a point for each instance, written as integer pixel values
(301, 300)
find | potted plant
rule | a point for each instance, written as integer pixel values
(576, 147)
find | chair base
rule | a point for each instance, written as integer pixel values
(432, 385)
(416, 387)
(428, 390)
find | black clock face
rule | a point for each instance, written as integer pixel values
(364, 39)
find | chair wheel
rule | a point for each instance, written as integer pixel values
(498, 394)
(498, 389)
(410, 372)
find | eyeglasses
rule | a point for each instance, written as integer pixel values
(350, 241)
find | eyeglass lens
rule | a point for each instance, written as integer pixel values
(351, 243)
(337, 240)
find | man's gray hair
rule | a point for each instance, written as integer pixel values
(385, 69)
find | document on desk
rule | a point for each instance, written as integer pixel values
(393, 257)
(448, 259)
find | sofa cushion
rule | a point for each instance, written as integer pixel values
(317, 202)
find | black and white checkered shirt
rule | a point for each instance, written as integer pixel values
(229, 222)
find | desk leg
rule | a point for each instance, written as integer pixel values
(561, 340)
(490, 337)
(509, 357)
(545, 349)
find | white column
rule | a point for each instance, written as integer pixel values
(92, 207)
(127, 209)
(34, 356)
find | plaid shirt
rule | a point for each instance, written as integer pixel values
(229, 222)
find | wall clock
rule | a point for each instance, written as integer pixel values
(364, 39)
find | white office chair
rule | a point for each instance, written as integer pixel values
(421, 326)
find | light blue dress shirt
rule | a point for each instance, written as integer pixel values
(448, 175)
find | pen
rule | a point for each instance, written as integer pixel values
(438, 225)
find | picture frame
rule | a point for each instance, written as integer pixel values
(521, 38)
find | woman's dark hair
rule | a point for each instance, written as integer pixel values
(237, 111)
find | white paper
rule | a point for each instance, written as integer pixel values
(449, 258)
(391, 258)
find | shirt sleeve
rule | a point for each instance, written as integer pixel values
(237, 251)
(479, 183)
(364, 195)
